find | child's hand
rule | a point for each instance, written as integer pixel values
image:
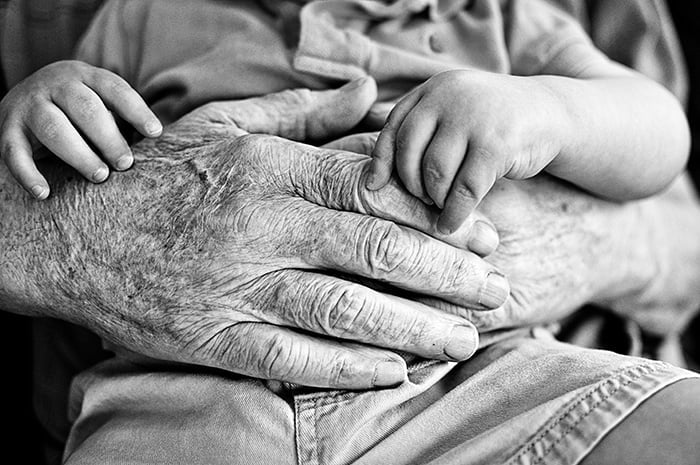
(65, 107)
(452, 137)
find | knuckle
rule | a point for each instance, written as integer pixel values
(455, 277)
(383, 248)
(341, 372)
(433, 174)
(348, 311)
(297, 96)
(45, 124)
(278, 358)
(68, 92)
(462, 191)
(87, 105)
(249, 147)
(116, 85)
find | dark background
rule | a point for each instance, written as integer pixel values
(19, 428)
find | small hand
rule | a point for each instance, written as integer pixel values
(65, 107)
(451, 138)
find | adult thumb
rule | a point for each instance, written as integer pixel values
(298, 114)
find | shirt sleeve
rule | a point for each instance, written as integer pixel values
(640, 34)
(109, 40)
(544, 39)
(34, 33)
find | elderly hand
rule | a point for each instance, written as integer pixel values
(559, 248)
(229, 250)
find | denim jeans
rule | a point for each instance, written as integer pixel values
(525, 399)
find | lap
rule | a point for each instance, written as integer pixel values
(664, 429)
(524, 399)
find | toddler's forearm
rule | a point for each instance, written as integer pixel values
(627, 136)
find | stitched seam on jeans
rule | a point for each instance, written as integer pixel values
(316, 431)
(632, 374)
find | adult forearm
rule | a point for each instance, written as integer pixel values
(655, 260)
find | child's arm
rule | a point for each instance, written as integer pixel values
(65, 107)
(628, 138)
(596, 124)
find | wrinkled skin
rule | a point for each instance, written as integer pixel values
(221, 249)
(232, 250)
(562, 248)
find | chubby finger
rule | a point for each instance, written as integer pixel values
(365, 246)
(412, 139)
(474, 180)
(442, 160)
(341, 309)
(89, 114)
(382, 165)
(268, 351)
(53, 129)
(121, 98)
(16, 151)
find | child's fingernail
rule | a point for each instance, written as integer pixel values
(125, 162)
(100, 175)
(40, 192)
(153, 128)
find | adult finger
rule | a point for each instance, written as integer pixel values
(271, 352)
(298, 114)
(474, 180)
(382, 165)
(337, 180)
(358, 143)
(54, 130)
(403, 257)
(89, 114)
(125, 101)
(334, 307)
(377, 115)
(16, 151)
(442, 160)
(412, 139)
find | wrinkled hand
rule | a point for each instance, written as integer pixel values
(558, 248)
(228, 250)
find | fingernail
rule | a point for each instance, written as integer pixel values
(483, 238)
(40, 192)
(495, 290)
(154, 128)
(356, 83)
(464, 341)
(100, 175)
(125, 162)
(443, 228)
(389, 374)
